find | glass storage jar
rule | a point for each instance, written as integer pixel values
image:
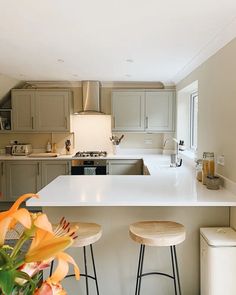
(208, 166)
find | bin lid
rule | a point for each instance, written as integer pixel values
(219, 236)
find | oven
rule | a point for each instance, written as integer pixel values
(89, 167)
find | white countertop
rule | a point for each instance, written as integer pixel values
(164, 187)
(5, 157)
(13, 158)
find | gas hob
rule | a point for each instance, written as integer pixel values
(91, 154)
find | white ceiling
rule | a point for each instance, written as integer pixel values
(165, 39)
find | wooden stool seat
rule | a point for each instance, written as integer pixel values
(157, 233)
(88, 233)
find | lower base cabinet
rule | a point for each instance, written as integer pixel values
(125, 167)
(29, 176)
(2, 181)
(52, 169)
(22, 177)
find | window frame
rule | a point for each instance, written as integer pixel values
(193, 120)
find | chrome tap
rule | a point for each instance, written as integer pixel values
(176, 161)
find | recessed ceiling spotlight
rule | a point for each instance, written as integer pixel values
(60, 60)
(128, 75)
(130, 60)
(75, 75)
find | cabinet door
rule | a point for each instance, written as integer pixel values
(2, 181)
(23, 110)
(128, 110)
(22, 177)
(52, 110)
(52, 169)
(125, 167)
(159, 111)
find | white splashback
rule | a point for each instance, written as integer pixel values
(92, 132)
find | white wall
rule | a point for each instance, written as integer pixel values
(6, 83)
(217, 104)
(217, 109)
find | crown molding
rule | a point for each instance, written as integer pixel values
(105, 84)
(222, 38)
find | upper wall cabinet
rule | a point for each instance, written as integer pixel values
(159, 111)
(143, 111)
(41, 110)
(128, 110)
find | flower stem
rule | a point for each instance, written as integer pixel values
(18, 245)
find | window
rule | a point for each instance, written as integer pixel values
(193, 120)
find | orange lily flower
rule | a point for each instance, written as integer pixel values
(63, 268)
(9, 218)
(47, 244)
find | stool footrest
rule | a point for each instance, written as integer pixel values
(82, 275)
(156, 273)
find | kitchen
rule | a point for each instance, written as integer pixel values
(213, 69)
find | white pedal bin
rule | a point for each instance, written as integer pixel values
(218, 261)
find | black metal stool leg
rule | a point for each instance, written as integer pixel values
(51, 268)
(138, 272)
(173, 267)
(177, 270)
(86, 271)
(141, 270)
(94, 269)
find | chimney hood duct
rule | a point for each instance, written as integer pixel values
(91, 101)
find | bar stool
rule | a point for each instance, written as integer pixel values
(160, 234)
(87, 235)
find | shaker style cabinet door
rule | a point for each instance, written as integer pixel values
(159, 111)
(41, 110)
(52, 110)
(51, 169)
(2, 181)
(128, 110)
(23, 110)
(22, 177)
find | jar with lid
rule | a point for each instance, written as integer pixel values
(208, 166)
(199, 169)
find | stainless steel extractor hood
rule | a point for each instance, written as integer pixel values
(91, 101)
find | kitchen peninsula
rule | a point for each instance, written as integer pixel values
(116, 201)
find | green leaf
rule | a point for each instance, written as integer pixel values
(4, 258)
(7, 281)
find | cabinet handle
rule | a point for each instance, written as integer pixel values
(146, 122)
(114, 121)
(2, 169)
(68, 168)
(66, 122)
(38, 168)
(32, 122)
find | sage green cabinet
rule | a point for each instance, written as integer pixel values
(41, 110)
(159, 111)
(2, 181)
(143, 111)
(23, 110)
(22, 177)
(29, 176)
(53, 168)
(124, 167)
(128, 110)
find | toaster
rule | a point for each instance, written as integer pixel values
(21, 149)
